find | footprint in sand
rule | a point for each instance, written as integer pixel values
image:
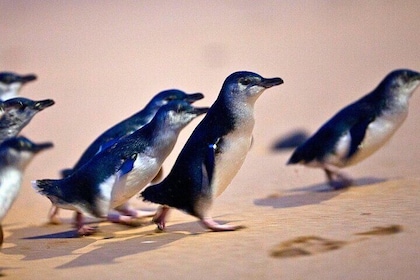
(311, 245)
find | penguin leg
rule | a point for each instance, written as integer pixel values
(81, 227)
(336, 179)
(160, 217)
(53, 215)
(1, 236)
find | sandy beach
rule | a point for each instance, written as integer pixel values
(102, 61)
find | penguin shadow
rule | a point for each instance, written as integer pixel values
(310, 195)
(290, 140)
(313, 245)
(43, 242)
(125, 243)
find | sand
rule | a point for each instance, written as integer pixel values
(102, 61)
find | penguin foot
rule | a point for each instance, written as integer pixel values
(214, 226)
(127, 210)
(53, 216)
(86, 230)
(337, 180)
(81, 228)
(160, 217)
(125, 219)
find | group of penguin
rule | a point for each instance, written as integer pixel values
(126, 160)
(15, 151)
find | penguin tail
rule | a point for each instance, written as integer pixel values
(294, 159)
(150, 194)
(66, 172)
(47, 187)
(159, 194)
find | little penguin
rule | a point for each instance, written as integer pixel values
(359, 129)
(123, 128)
(19, 113)
(15, 155)
(11, 83)
(213, 154)
(120, 171)
(132, 123)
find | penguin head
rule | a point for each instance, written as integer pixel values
(10, 81)
(18, 151)
(247, 86)
(177, 114)
(402, 82)
(21, 110)
(166, 96)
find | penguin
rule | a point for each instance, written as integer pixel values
(15, 155)
(132, 124)
(359, 129)
(213, 154)
(19, 113)
(11, 83)
(123, 128)
(120, 171)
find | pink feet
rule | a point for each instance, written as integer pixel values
(160, 218)
(337, 180)
(82, 229)
(208, 222)
(127, 215)
(214, 226)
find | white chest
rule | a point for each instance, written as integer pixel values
(10, 183)
(377, 134)
(126, 186)
(235, 148)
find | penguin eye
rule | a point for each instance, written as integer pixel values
(245, 81)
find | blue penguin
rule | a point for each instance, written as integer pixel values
(11, 83)
(213, 154)
(132, 124)
(15, 155)
(126, 127)
(359, 129)
(19, 113)
(121, 170)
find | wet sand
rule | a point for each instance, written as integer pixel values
(102, 62)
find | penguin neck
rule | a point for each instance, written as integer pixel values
(146, 114)
(238, 111)
(160, 135)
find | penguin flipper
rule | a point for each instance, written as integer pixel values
(127, 165)
(357, 133)
(118, 189)
(209, 163)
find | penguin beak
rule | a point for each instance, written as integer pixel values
(41, 105)
(200, 110)
(416, 77)
(28, 78)
(191, 98)
(42, 146)
(268, 83)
